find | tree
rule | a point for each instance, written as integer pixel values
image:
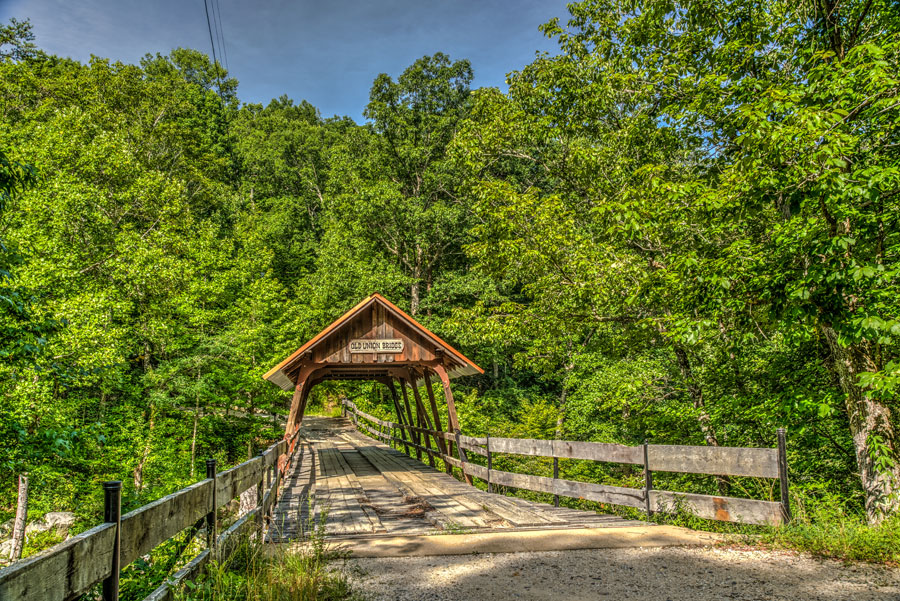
(398, 188)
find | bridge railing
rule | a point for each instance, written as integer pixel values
(770, 463)
(74, 566)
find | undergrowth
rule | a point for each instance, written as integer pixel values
(257, 571)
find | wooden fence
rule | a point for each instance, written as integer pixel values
(718, 461)
(71, 568)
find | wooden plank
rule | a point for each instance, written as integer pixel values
(228, 540)
(194, 568)
(522, 446)
(565, 449)
(617, 495)
(726, 509)
(233, 482)
(145, 528)
(62, 572)
(720, 461)
(595, 451)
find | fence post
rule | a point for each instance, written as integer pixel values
(783, 475)
(648, 479)
(112, 514)
(555, 477)
(211, 525)
(462, 454)
(487, 448)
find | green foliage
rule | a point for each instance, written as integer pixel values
(260, 572)
(681, 227)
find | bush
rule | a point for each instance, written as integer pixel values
(257, 571)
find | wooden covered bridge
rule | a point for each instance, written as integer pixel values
(361, 485)
(375, 489)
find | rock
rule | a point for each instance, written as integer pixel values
(60, 521)
(6, 528)
(5, 549)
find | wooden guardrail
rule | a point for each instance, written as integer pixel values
(71, 568)
(718, 461)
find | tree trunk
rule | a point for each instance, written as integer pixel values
(695, 392)
(873, 434)
(21, 519)
(139, 468)
(416, 283)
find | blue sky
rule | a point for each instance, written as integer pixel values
(327, 52)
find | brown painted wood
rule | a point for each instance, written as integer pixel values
(445, 447)
(424, 421)
(438, 441)
(409, 417)
(453, 425)
(399, 412)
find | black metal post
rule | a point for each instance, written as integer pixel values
(783, 475)
(211, 525)
(555, 477)
(648, 479)
(112, 514)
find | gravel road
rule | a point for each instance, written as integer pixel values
(664, 574)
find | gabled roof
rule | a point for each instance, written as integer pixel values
(456, 363)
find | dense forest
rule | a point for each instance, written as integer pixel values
(681, 227)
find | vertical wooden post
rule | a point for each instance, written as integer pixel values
(490, 463)
(555, 477)
(422, 414)
(648, 479)
(413, 434)
(19, 525)
(400, 418)
(211, 525)
(260, 491)
(445, 447)
(112, 514)
(451, 411)
(783, 475)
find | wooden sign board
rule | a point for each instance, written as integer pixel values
(377, 345)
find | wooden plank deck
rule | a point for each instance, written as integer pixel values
(352, 485)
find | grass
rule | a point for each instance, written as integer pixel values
(825, 528)
(260, 572)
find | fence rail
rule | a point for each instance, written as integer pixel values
(717, 461)
(71, 568)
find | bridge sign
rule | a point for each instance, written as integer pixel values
(377, 345)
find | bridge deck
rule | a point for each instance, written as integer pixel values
(362, 487)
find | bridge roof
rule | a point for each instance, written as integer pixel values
(370, 339)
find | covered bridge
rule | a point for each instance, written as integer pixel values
(377, 341)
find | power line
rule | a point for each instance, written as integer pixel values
(221, 30)
(213, 45)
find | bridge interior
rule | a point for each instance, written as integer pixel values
(357, 486)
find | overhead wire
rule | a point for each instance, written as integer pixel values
(213, 44)
(221, 30)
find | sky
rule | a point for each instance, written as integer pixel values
(325, 51)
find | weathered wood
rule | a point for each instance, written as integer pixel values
(598, 451)
(165, 592)
(783, 475)
(233, 482)
(601, 493)
(228, 540)
(62, 572)
(145, 528)
(409, 419)
(719, 461)
(725, 509)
